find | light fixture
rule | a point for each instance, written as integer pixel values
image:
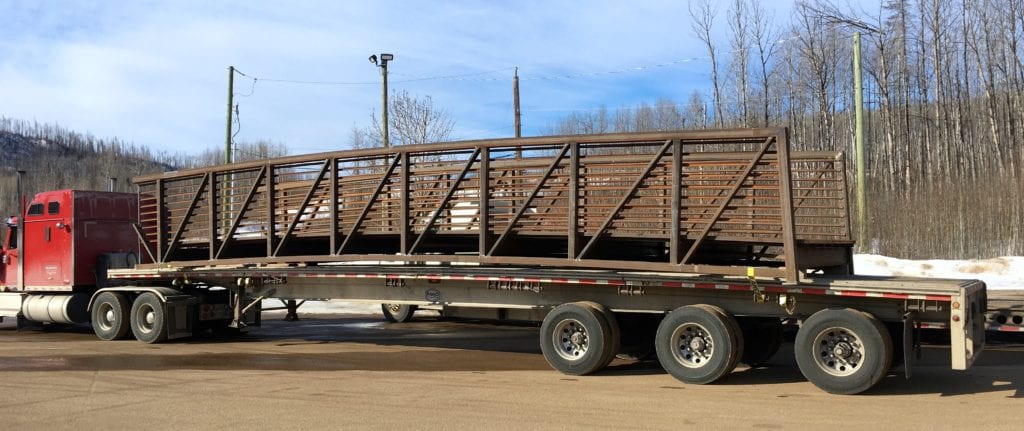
(373, 59)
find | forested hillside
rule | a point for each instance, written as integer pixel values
(56, 158)
(944, 90)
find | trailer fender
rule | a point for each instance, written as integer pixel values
(166, 294)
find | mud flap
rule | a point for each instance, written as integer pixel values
(911, 343)
(180, 313)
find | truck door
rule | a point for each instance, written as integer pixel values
(48, 241)
(9, 259)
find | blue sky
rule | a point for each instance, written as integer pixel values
(155, 73)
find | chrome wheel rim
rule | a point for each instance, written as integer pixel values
(146, 318)
(838, 351)
(692, 345)
(571, 340)
(107, 317)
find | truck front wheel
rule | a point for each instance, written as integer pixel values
(843, 351)
(149, 322)
(110, 316)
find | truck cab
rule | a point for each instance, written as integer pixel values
(69, 239)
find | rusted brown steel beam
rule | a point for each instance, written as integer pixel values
(572, 242)
(488, 260)
(302, 207)
(526, 204)
(212, 223)
(271, 207)
(160, 220)
(484, 173)
(626, 198)
(690, 137)
(728, 197)
(335, 177)
(241, 212)
(786, 200)
(675, 238)
(144, 242)
(406, 195)
(187, 215)
(444, 201)
(369, 204)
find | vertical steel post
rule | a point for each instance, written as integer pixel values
(573, 247)
(231, 102)
(484, 176)
(858, 95)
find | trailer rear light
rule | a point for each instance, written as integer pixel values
(956, 317)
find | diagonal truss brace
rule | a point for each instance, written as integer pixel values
(188, 215)
(302, 208)
(241, 212)
(369, 204)
(625, 199)
(533, 194)
(444, 202)
(728, 198)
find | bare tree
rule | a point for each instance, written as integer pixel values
(414, 121)
(703, 15)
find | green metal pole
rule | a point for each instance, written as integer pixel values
(231, 101)
(858, 96)
(384, 100)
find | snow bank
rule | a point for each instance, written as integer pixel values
(1001, 273)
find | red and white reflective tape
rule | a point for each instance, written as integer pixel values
(579, 281)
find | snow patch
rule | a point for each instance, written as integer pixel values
(1000, 273)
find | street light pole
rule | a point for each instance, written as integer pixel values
(384, 59)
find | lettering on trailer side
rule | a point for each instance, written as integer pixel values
(515, 286)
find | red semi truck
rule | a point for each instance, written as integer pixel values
(698, 242)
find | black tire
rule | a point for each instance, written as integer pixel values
(762, 337)
(575, 339)
(697, 344)
(843, 351)
(398, 313)
(111, 318)
(149, 324)
(615, 334)
(735, 332)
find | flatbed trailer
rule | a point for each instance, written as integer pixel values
(715, 235)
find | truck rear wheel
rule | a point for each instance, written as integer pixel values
(576, 339)
(698, 344)
(149, 323)
(843, 351)
(398, 313)
(110, 316)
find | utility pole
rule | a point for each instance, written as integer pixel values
(231, 101)
(858, 96)
(384, 59)
(515, 103)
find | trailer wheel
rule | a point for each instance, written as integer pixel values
(110, 316)
(737, 340)
(398, 313)
(762, 338)
(697, 344)
(149, 324)
(843, 351)
(615, 334)
(575, 339)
